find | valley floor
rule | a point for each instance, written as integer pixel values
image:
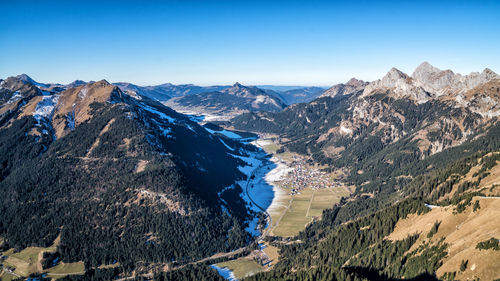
(292, 208)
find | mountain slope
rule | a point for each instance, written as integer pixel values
(230, 101)
(299, 95)
(352, 86)
(439, 229)
(330, 129)
(401, 146)
(166, 91)
(117, 178)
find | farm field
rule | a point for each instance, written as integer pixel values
(28, 261)
(272, 253)
(64, 269)
(296, 211)
(242, 267)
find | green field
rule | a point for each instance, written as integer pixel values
(268, 145)
(242, 267)
(272, 252)
(5, 276)
(28, 261)
(64, 269)
(324, 199)
(303, 208)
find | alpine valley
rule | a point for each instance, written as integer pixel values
(394, 179)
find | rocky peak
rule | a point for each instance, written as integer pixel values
(101, 83)
(28, 80)
(393, 75)
(352, 86)
(427, 82)
(25, 78)
(393, 78)
(433, 79)
(356, 83)
(424, 69)
(489, 74)
(17, 84)
(76, 83)
(399, 85)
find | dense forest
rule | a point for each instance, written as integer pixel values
(348, 242)
(104, 208)
(143, 186)
(340, 248)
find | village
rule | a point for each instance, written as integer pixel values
(304, 176)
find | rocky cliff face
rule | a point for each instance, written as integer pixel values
(432, 109)
(352, 86)
(443, 82)
(446, 107)
(427, 82)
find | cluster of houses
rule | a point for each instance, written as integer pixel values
(303, 176)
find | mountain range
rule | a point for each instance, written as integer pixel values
(419, 151)
(114, 176)
(228, 102)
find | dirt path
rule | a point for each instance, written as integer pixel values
(65, 274)
(310, 203)
(284, 212)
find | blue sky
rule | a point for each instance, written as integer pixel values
(253, 42)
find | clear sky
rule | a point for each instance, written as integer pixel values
(253, 42)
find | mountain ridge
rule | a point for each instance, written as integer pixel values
(96, 166)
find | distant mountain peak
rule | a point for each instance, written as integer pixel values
(102, 82)
(425, 68)
(352, 86)
(79, 82)
(237, 85)
(489, 73)
(76, 83)
(25, 78)
(355, 82)
(428, 82)
(394, 74)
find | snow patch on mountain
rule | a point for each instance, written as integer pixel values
(17, 96)
(226, 133)
(70, 118)
(225, 144)
(45, 108)
(345, 130)
(159, 113)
